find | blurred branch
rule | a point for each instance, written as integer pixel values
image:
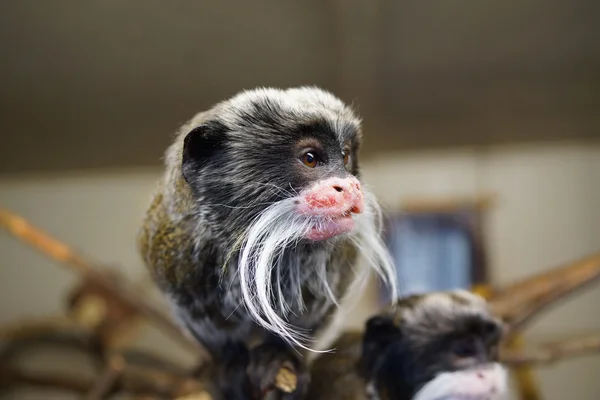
(11, 376)
(108, 380)
(518, 303)
(550, 352)
(128, 371)
(133, 383)
(103, 308)
(40, 326)
(526, 381)
(44, 243)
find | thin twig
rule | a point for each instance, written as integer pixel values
(108, 380)
(11, 376)
(53, 248)
(551, 352)
(39, 326)
(518, 303)
(135, 381)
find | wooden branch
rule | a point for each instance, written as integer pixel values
(551, 352)
(143, 381)
(131, 371)
(518, 303)
(113, 322)
(40, 326)
(526, 381)
(94, 305)
(94, 279)
(157, 381)
(11, 377)
(108, 380)
(196, 396)
(44, 243)
(131, 382)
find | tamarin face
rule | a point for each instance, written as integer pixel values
(268, 146)
(436, 346)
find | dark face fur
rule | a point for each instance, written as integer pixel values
(402, 359)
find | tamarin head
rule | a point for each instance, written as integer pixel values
(292, 150)
(271, 170)
(433, 347)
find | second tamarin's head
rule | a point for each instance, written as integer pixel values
(272, 170)
(438, 346)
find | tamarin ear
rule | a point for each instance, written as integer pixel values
(380, 332)
(199, 146)
(381, 328)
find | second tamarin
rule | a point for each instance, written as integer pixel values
(261, 225)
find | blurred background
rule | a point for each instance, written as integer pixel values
(459, 99)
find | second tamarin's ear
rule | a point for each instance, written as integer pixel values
(380, 332)
(200, 145)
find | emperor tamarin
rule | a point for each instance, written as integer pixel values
(261, 225)
(436, 346)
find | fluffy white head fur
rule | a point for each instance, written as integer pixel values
(280, 227)
(436, 312)
(483, 383)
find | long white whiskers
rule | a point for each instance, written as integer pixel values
(277, 229)
(272, 232)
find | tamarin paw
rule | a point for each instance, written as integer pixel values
(275, 372)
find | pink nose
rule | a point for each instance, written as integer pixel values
(333, 196)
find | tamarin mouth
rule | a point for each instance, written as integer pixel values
(331, 227)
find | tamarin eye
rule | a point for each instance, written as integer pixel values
(346, 158)
(464, 348)
(309, 159)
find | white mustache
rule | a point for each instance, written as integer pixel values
(465, 384)
(278, 228)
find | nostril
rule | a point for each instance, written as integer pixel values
(338, 188)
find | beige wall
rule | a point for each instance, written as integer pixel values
(547, 213)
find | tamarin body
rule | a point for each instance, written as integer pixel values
(256, 229)
(438, 346)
